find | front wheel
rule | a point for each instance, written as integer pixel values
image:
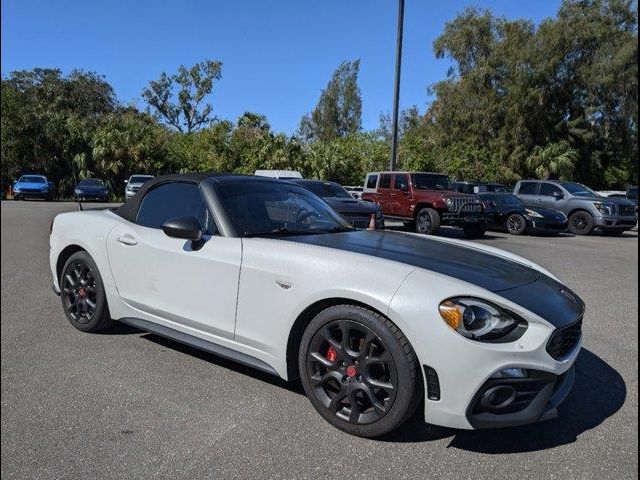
(359, 371)
(427, 221)
(82, 293)
(516, 224)
(581, 223)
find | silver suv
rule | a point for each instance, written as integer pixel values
(585, 208)
(134, 183)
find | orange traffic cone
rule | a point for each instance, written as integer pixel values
(372, 222)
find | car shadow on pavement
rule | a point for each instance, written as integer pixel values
(598, 392)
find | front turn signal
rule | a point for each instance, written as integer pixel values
(451, 314)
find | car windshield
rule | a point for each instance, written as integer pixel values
(270, 209)
(31, 179)
(427, 181)
(504, 199)
(633, 193)
(326, 189)
(578, 189)
(139, 179)
(90, 182)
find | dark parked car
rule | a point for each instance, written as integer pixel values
(506, 212)
(91, 189)
(478, 187)
(32, 186)
(357, 212)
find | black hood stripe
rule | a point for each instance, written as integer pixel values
(518, 283)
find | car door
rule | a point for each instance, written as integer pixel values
(551, 196)
(384, 190)
(528, 193)
(399, 196)
(166, 277)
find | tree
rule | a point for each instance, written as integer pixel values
(339, 109)
(179, 99)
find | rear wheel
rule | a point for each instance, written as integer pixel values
(82, 294)
(581, 223)
(359, 371)
(427, 221)
(516, 224)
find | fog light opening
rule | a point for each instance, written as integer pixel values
(511, 373)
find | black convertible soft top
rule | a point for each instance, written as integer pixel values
(129, 210)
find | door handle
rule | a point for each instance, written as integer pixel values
(127, 240)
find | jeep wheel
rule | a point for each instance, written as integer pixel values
(427, 221)
(581, 223)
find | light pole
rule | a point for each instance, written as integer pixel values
(396, 92)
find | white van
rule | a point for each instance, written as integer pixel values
(281, 174)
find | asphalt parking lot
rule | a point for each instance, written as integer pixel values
(126, 404)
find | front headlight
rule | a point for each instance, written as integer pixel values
(77, 191)
(449, 202)
(16, 189)
(532, 213)
(604, 208)
(481, 320)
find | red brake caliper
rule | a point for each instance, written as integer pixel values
(332, 355)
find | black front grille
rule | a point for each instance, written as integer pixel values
(464, 205)
(564, 340)
(627, 210)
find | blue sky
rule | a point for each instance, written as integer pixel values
(277, 55)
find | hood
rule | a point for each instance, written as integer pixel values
(91, 188)
(491, 272)
(350, 205)
(614, 200)
(30, 185)
(513, 281)
(548, 213)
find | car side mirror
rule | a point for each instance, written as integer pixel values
(558, 195)
(188, 228)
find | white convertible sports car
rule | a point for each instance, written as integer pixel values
(374, 323)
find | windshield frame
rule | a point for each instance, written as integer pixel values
(91, 182)
(414, 183)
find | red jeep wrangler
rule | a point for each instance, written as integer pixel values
(424, 201)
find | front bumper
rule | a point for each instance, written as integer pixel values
(32, 193)
(548, 226)
(510, 402)
(616, 222)
(92, 195)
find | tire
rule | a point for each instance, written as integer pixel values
(581, 223)
(81, 285)
(427, 221)
(16, 198)
(613, 233)
(516, 224)
(409, 225)
(336, 376)
(474, 232)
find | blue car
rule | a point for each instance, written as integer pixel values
(32, 186)
(91, 189)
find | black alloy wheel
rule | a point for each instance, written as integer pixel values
(82, 294)
(427, 221)
(581, 223)
(516, 224)
(360, 374)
